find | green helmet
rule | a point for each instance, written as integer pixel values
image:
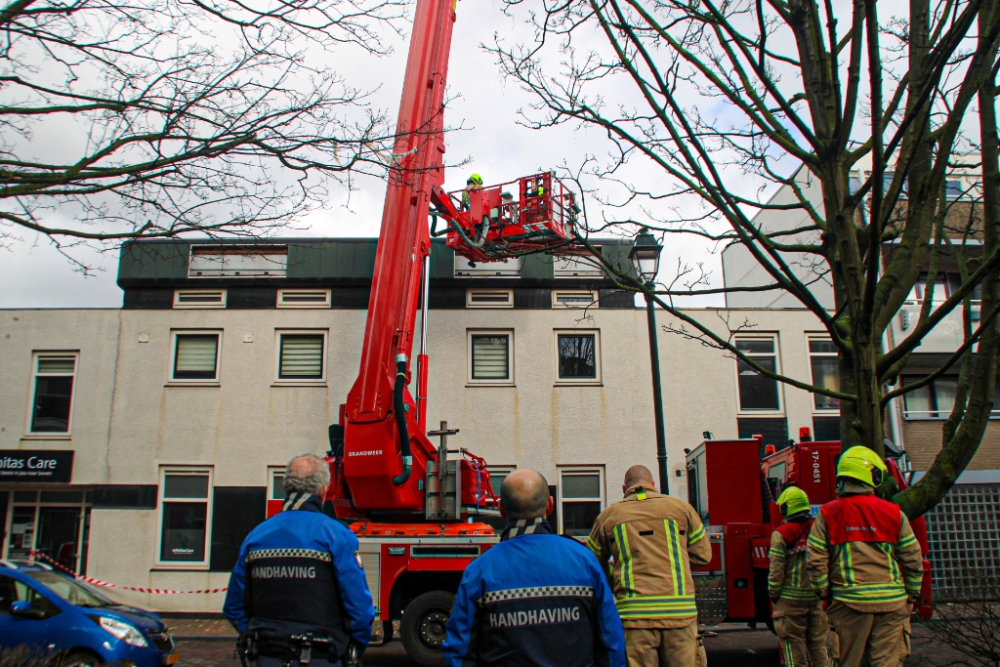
(475, 178)
(862, 464)
(792, 501)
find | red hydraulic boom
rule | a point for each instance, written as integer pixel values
(381, 452)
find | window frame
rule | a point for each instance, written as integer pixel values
(594, 299)
(740, 411)
(509, 303)
(578, 471)
(164, 471)
(172, 368)
(33, 388)
(303, 382)
(596, 381)
(272, 472)
(489, 382)
(326, 303)
(829, 412)
(221, 304)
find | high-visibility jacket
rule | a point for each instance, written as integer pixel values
(862, 552)
(655, 540)
(788, 578)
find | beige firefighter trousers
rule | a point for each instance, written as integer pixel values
(658, 647)
(802, 634)
(885, 636)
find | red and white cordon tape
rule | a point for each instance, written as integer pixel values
(106, 584)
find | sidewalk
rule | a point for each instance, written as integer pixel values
(188, 628)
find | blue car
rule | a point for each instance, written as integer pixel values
(74, 625)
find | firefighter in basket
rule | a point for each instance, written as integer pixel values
(298, 594)
(799, 619)
(475, 182)
(865, 563)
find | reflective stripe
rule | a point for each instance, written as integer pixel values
(816, 542)
(676, 557)
(538, 592)
(906, 541)
(696, 535)
(640, 494)
(593, 546)
(621, 539)
(893, 565)
(786, 648)
(657, 606)
(847, 564)
(872, 593)
(795, 593)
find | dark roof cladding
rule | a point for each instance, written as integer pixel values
(304, 261)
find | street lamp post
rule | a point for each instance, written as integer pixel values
(645, 256)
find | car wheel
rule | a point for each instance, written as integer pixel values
(78, 659)
(422, 629)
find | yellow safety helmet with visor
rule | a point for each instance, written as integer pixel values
(792, 501)
(862, 464)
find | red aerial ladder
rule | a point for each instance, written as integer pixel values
(414, 510)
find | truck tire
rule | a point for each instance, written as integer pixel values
(422, 628)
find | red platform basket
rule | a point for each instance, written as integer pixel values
(533, 213)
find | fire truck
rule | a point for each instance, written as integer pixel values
(419, 509)
(733, 489)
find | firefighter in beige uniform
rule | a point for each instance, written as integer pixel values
(863, 556)
(799, 620)
(655, 540)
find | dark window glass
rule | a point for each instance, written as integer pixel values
(53, 396)
(195, 357)
(577, 357)
(8, 595)
(278, 487)
(183, 537)
(757, 392)
(185, 486)
(952, 190)
(825, 372)
(931, 401)
(579, 517)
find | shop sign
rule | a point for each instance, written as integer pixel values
(24, 465)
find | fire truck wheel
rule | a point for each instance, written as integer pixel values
(422, 628)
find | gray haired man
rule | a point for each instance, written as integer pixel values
(298, 593)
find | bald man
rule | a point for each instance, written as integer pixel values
(535, 599)
(655, 540)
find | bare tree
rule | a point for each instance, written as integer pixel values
(724, 101)
(151, 118)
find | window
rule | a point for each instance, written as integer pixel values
(185, 499)
(825, 372)
(574, 299)
(196, 357)
(581, 499)
(490, 357)
(238, 261)
(503, 268)
(489, 298)
(937, 399)
(579, 358)
(301, 357)
(200, 298)
(52, 392)
(303, 298)
(276, 484)
(757, 392)
(497, 475)
(953, 190)
(583, 266)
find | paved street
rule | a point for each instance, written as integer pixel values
(734, 646)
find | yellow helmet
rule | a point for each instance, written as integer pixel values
(862, 464)
(475, 178)
(792, 501)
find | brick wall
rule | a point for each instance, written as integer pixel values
(923, 442)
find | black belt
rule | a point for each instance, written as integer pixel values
(291, 649)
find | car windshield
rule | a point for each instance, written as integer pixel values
(69, 590)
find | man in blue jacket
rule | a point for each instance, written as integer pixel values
(535, 599)
(298, 594)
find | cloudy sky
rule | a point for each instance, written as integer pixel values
(34, 274)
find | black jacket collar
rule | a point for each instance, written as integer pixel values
(300, 500)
